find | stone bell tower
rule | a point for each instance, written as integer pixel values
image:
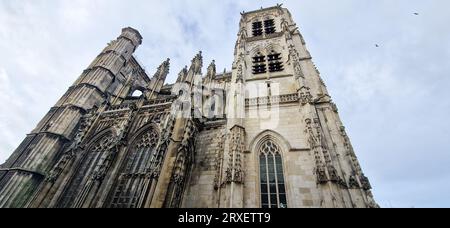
(285, 146)
(101, 82)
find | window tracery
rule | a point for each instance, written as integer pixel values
(273, 188)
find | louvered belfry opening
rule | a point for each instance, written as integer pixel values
(275, 63)
(259, 64)
(269, 26)
(257, 28)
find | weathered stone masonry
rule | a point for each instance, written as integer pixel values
(265, 134)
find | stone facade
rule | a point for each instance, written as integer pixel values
(266, 134)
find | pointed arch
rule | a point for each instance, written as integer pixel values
(152, 125)
(255, 144)
(269, 148)
(273, 47)
(90, 168)
(257, 51)
(130, 188)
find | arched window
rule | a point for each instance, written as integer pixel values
(272, 62)
(130, 190)
(259, 64)
(93, 161)
(273, 190)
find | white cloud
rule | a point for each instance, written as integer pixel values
(76, 14)
(9, 138)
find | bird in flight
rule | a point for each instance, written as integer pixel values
(376, 45)
(416, 14)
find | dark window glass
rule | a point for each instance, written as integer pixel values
(270, 164)
(259, 64)
(281, 189)
(263, 178)
(273, 199)
(260, 69)
(274, 57)
(273, 189)
(265, 198)
(263, 169)
(272, 178)
(269, 26)
(263, 188)
(276, 67)
(259, 59)
(283, 198)
(213, 106)
(280, 178)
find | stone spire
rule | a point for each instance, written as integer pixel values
(163, 70)
(197, 63)
(158, 80)
(211, 74)
(196, 68)
(182, 75)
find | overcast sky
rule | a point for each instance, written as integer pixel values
(394, 99)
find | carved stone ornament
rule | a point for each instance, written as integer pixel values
(294, 59)
(334, 176)
(365, 182)
(197, 63)
(163, 70)
(211, 74)
(182, 75)
(85, 125)
(353, 183)
(239, 75)
(305, 96)
(68, 156)
(218, 162)
(334, 107)
(321, 175)
(234, 172)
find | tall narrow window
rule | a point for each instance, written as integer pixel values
(269, 90)
(130, 189)
(269, 26)
(257, 28)
(259, 64)
(93, 160)
(275, 63)
(273, 190)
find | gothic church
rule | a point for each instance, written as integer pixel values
(264, 135)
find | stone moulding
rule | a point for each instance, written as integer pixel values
(281, 99)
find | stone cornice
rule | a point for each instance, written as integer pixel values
(64, 138)
(281, 99)
(18, 169)
(264, 37)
